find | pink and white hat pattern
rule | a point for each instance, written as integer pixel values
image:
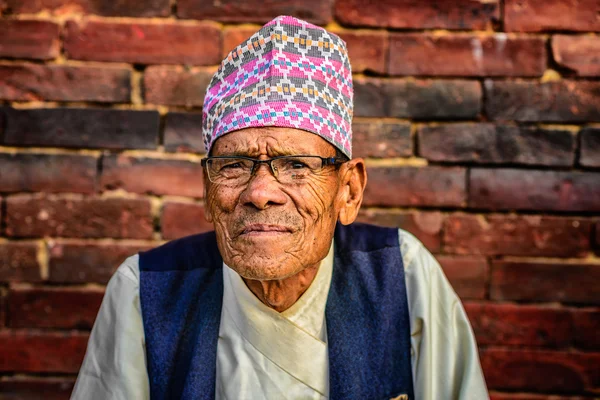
(289, 74)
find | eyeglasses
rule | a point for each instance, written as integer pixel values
(237, 171)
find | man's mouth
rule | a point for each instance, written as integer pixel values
(265, 230)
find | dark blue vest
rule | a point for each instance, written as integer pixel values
(368, 332)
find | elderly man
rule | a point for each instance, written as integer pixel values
(285, 299)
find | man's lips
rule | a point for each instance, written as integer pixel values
(264, 230)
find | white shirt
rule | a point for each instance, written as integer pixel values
(444, 357)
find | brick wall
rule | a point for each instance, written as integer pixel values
(480, 122)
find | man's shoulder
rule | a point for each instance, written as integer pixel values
(365, 237)
(186, 253)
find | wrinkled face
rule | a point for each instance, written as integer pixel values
(267, 230)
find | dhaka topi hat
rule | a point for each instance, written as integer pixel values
(288, 74)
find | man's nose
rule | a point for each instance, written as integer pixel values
(263, 190)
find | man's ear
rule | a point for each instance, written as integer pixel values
(207, 213)
(353, 181)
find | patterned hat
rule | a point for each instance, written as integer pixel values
(289, 74)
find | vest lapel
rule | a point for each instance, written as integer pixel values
(181, 291)
(368, 330)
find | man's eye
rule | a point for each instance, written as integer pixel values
(295, 164)
(231, 166)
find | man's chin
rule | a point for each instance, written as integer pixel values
(264, 268)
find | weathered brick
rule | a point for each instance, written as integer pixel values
(520, 325)
(561, 101)
(540, 370)
(33, 82)
(546, 281)
(235, 35)
(467, 275)
(53, 308)
(128, 8)
(461, 14)
(29, 39)
(416, 186)
(551, 15)
(586, 324)
(508, 189)
(426, 226)
(88, 262)
(419, 99)
(183, 219)
(41, 352)
(590, 147)
(579, 53)
(19, 262)
(260, 11)
(497, 144)
(183, 132)
(176, 86)
(144, 43)
(34, 388)
(466, 55)
(381, 139)
(80, 127)
(25, 172)
(517, 235)
(155, 176)
(37, 216)
(367, 50)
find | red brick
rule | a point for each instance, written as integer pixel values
(80, 127)
(467, 275)
(367, 50)
(520, 325)
(551, 15)
(183, 132)
(466, 55)
(236, 35)
(23, 172)
(128, 8)
(562, 101)
(34, 388)
(509, 189)
(540, 370)
(381, 139)
(33, 82)
(545, 281)
(36, 216)
(41, 352)
(590, 147)
(176, 86)
(29, 39)
(517, 235)
(88, 262)
(579, 53)
(183, 219)
(19, 262)
(419, 99)
(315, 11)
(426, 226)
(143, 43)
(416, 186)
(460, 14)
(168, 177)
(586, 327)
(53, 308)
(496, 144)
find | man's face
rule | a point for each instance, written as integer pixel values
(267, 230)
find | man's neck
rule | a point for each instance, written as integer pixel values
(282, 294)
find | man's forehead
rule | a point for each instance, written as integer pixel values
(273, 141)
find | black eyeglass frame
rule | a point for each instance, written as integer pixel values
(325, 161)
